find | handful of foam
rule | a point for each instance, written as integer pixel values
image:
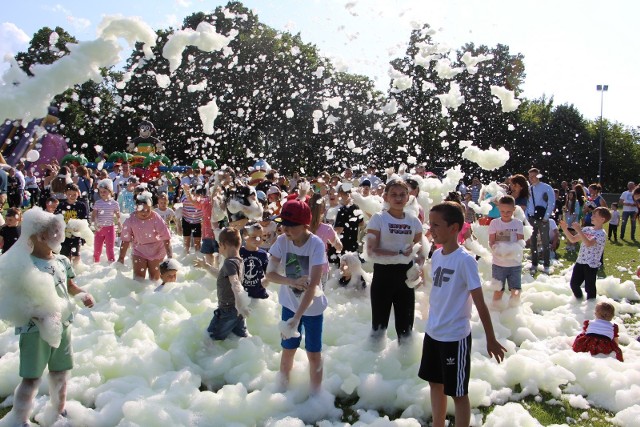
(28, 293)
(80, 228)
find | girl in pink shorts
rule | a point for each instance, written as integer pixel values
(104, 212)
(150, 237)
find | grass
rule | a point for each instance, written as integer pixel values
(545, 408)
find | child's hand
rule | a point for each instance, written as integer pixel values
(562, 223)
(576, 226)
(289, 328)
(495, 349)
(300, 283)
(200, 263)
(87, 299)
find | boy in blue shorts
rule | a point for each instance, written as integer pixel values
(35, 352)
(302, 256)
(446, 353)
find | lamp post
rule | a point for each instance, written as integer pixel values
(602, 89)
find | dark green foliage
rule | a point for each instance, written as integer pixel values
(265, 73)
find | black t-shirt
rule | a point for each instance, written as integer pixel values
(9, 235)
(349, 220)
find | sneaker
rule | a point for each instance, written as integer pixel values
(547, 270)
(533, 270)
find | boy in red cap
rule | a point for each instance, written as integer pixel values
(297, 259)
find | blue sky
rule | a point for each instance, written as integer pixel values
(570, 46)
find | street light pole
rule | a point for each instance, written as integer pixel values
(602, 89)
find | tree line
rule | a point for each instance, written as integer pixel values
(281, 100)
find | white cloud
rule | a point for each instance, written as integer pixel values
(80, 24)
(12, 39)
(183, 3)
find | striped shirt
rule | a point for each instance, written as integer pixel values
(105, 211)
(190, 212)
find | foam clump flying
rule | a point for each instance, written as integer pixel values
(204, 37)
(25, 97)
(507, 98)
(490, 159)
(28, 293)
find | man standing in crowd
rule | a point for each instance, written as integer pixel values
(629, 210)
(540, 206)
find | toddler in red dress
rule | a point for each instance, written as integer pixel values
(599, 336)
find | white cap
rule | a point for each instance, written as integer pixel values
(106, 183)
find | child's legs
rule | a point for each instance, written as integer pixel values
(312, 326)
(577, 277)
(404, 302)
(463, 410)
(381, 297)
(438, 404)
(286, 364)
(140, 266)
(58, 389)
(498, 275)
(186, 234)
(240, 329)
(197, 234)
(615, 231)
(590, 275)
(110, 242)
(514, 278)
(315, 371)
(98, 240)
(154, 268)
(23, 398)
(222, 323)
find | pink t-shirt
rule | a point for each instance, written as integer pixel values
(326, 233)
(105, 211)
(148, 236)
(205, 206)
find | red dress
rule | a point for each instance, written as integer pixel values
(597, 344)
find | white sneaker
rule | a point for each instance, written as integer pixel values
(547, 270)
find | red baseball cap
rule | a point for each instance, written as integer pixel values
(294, 212)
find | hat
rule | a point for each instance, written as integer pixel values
(365, 183)
(261, 195)
(294, 212)
(273, 190)
(106, 184)
(170, 264)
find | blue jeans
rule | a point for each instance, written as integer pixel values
(509, 275)
(226, 321)
(625, 218)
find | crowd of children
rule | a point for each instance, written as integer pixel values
(290, 234)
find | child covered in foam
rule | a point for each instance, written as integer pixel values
(36, 288)
(599, 336)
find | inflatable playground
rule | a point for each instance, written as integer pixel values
(39, 145)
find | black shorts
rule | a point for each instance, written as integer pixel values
(189, 229)
(447, 363)
(71, 246)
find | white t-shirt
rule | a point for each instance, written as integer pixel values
(166, 214)
(506, 232)
(627, 197)
(395, 234)
(296, 262)
(454, 276)
(591, 255)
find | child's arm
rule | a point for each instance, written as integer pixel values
(492, 240)
(275, 277)
(74, 290)
(167, 248)
(308, 295)
(588, 241)
(200, 263)
(494, 348)
(570, 236)
(241, 297)
(124, 247)
(336, 242)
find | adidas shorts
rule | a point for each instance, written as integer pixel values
(447, 363)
